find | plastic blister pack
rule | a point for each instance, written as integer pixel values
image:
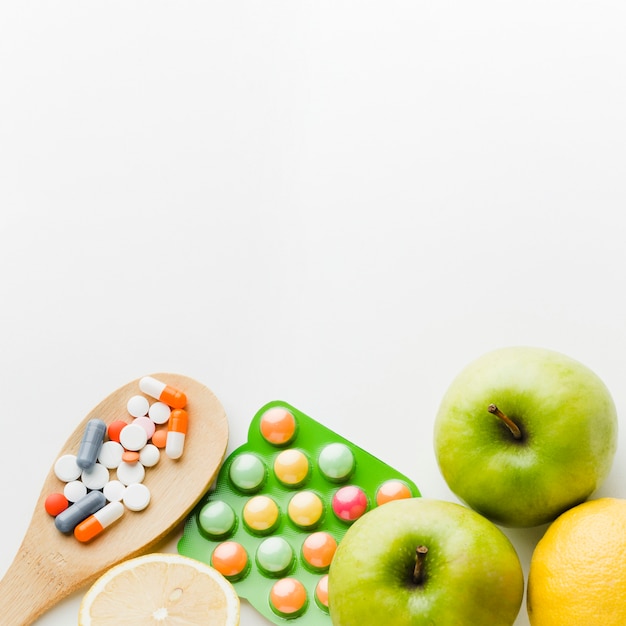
(279, 508)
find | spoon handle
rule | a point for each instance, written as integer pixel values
(32, 584)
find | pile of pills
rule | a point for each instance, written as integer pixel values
(279, 508)
(92, 497)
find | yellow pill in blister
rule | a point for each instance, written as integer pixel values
(305, 509)
(261, 514)
(291, 467)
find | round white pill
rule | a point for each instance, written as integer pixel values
(159, 412)
(136, 497)
(66, 468)
(95, 477)
(114, 490)
(138, 406)
(129, 473)
(74, 490)
(133, 437)
(111, 454)
(149, 455)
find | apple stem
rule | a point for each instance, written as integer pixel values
(418, 572)
(511, 425)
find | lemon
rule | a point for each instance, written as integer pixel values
(577, 574)
(160, 590)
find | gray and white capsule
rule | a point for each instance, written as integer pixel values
(67, 520)
(91, 443)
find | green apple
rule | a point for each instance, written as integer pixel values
(423, 561)
(524, 433)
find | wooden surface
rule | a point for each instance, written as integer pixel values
(50, 565)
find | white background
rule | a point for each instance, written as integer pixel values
(337, 204)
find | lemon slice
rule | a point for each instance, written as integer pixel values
(160, 589)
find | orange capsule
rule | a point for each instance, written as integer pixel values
(98, 521)
(176, 431)
(161, 391)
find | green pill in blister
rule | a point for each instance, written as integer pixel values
(280, 506)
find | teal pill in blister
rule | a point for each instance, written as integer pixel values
(247, 473)
(336, 462)
(217, 519)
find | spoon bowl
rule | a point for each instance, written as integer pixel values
(50, 565)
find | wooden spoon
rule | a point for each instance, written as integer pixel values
(50, 565)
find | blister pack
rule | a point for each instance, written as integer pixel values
(280, 506)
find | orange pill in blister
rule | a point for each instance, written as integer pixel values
(230, 559)
(392, 490)
(321, 592)
(278, 426)
(291, 467)
(288, 597)
(319, 549)
(260, 514)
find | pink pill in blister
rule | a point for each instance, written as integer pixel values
(349, 503)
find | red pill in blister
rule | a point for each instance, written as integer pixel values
(349, 503)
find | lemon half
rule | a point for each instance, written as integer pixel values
(160, 589)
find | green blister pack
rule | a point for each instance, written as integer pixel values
(280, 506)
